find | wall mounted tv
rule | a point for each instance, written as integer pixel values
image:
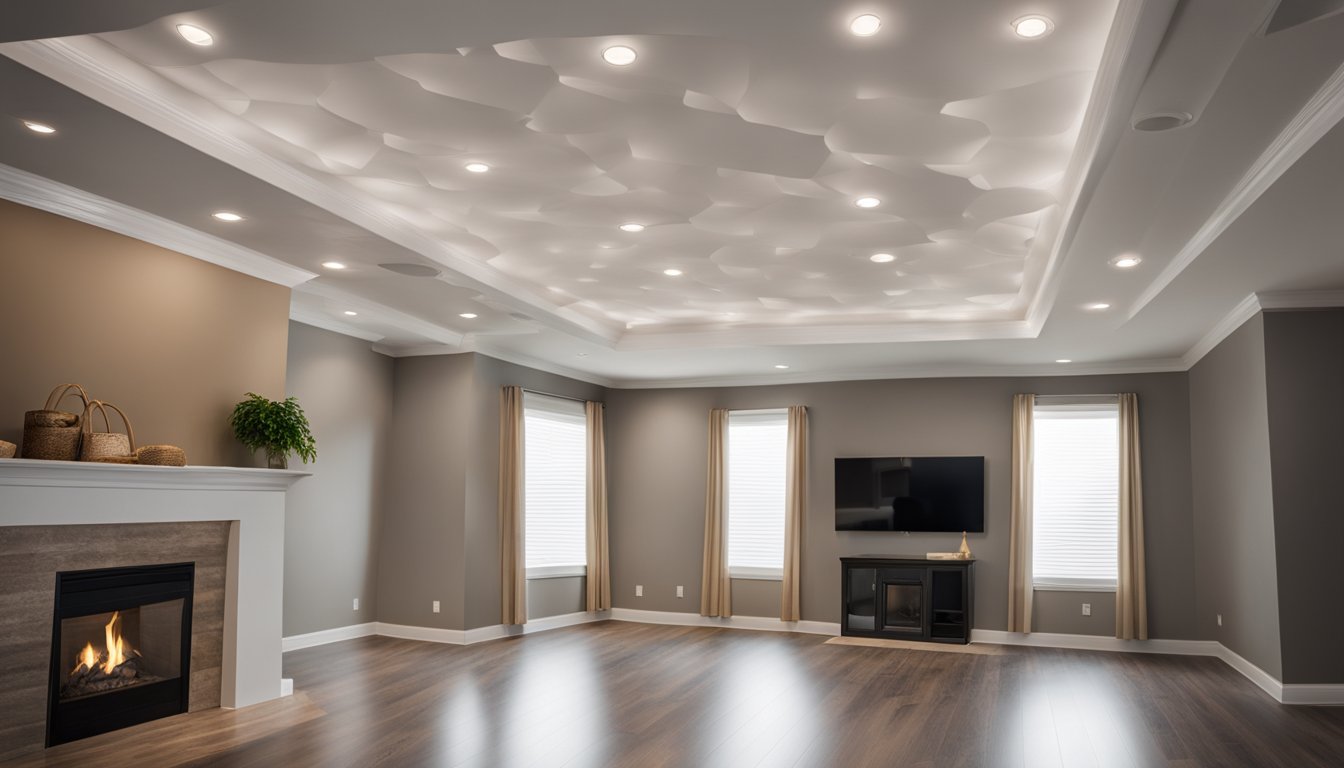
(943, 494)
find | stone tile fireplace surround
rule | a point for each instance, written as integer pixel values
(69, 516)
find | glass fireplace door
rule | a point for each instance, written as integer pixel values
(903, 607)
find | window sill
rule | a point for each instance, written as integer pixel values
(556, 571)
(1073, 587)
(756, 574)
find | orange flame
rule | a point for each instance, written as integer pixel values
(116, 655)
(87, 658)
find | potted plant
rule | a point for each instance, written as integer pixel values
(278, 426)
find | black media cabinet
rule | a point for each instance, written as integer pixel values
(906, 598)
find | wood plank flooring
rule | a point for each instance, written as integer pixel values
(619, 694)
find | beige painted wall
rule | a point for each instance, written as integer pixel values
(332, 519)
(173, 341)
(656, 455)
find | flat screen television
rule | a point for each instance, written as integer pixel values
(943, 494)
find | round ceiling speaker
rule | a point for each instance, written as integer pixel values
(411, 270)
(1163, 121)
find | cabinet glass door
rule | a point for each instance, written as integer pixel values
(903, 610)
(861, 611)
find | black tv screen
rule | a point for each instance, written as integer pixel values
(943, 494)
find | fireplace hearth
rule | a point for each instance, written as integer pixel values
(120, 648)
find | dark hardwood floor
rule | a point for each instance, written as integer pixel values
(618, 694)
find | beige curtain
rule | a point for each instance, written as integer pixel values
(513, 562)
(599, 561)
(1131, 593)
(795, 511)
(715, 588)
(1020, 533)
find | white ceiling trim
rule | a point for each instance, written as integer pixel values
(102, 73)
(951, 371)
(429, 350)
(1136, 33)
(836, 334)
(376, 311)
(54, 197)
(1321, 113)
(1251, 306)
(318, 319)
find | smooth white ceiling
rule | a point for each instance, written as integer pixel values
(741, 137)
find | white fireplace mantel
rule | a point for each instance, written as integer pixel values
(36, 492)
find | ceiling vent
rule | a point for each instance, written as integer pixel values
(1163, 121)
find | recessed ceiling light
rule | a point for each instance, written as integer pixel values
(865, 25)
(333, 265)
(227, 216)
(468, 315)
(1126, 261)
(1033, 27)
(1063, 360)
(867, 202)
(477, 167)
(672, 272)
(38, 127)
(195, 35)
(632, 227)
(781, 366)
(881, 258)
(1097, 306)
(351, 313)
(619, 55)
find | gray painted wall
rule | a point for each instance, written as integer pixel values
(332, 519)
(1304, 362)
(421, 554)
(440, 536)
(1233, 503)
(656, 467)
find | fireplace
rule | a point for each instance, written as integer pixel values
(120, 648)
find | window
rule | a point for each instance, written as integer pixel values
(1076, 487)
(757, 447)
(555, 486)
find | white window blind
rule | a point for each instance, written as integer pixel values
(1076, 505)
(757, 444)
(555, 490)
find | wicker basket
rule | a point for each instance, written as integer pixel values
(116, 460)
(7, 450)
(95, 445)
(53, 434)
(162, 456)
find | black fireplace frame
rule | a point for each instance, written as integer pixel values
(100, 590)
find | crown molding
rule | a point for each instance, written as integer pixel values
(63, 200)
(953, 330)
(101, 72)
(1243, 311)
(1321, 113)
(1323, 299)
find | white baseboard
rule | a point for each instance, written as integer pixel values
(423, 634)
(286, 686)
(1096, 643)
(1267, 682)
(295, 642)
(760, 623)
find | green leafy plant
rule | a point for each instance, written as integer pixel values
(277, 426)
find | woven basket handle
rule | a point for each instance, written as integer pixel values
(102, 408)
(58, 394)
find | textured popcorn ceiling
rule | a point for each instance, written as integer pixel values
(741, 142)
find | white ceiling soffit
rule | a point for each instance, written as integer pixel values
(761, 221)
(64, 200)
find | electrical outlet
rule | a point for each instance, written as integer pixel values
(1087, 609)
(639, 590)
(681, 591)
(436, 606)
(356, 604)
(1220, 619)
